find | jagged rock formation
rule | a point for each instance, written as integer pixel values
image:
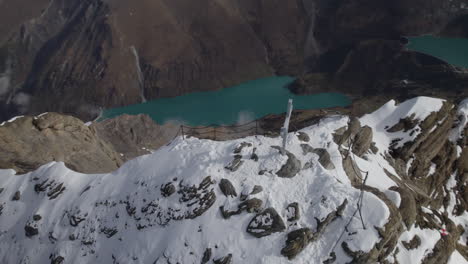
(75, 56)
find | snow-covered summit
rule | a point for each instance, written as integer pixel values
(203, 201)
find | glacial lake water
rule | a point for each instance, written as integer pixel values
(451, 50)
(237, 104)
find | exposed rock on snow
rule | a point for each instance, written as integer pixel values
(291, 167)
(293, 213)
(235, 163)
(266, 223)
(303, 136)
(227, 188)
(324, 156)
(225, 260)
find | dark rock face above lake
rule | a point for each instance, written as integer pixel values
(74, 56)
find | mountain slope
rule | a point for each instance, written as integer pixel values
(242, 201)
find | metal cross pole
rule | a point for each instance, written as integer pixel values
(285, 128)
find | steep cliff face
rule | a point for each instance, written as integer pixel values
(76, 56)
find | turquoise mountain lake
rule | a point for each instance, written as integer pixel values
(238, 104)
(451, 50)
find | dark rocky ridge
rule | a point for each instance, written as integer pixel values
(75, 56)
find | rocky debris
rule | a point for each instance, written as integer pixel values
(16, 196)
(374, 148)
(331, 259)
(292, 212)
(56, 259)
(414, 243)
(31, 230)
(37, 217)
(227, 188)
(109, 232)
(324, 156)
(52, 189)
(303, 136)
(224, 260)
(206, 256)
(235, 163)
(256, 189)
(297, 240)
(292, 166)
(308, 165)
(266, 223)
(194, 200)
(76, 219)
(30, 142)
(247, 192)
(135, 135)
(254, 155)
(203, 197)
(241, 146)
(253, 205)
(168, 189)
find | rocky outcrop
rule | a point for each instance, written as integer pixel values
(425, 164)
(30, 142)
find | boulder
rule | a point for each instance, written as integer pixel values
(31, 230)
(227, 188)
(292, 211)
(292, 166)
(224, 260)
(303, 136)
(206, 256)
(324, 156)
(16, 196)
(167, 189)
(241, 146)
(296, 242)
(235, 163)
(266, 223)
